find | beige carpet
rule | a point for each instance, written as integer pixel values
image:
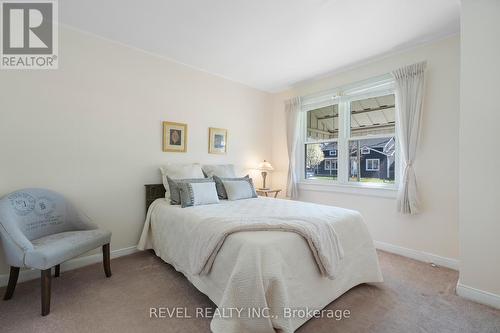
(415, 297)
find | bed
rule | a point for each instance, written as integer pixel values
(268, 279)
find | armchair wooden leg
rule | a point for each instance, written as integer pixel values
(106, 260)
(14, 274)
(57, 271)
(46, 280)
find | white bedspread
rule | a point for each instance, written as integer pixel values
(273, 270)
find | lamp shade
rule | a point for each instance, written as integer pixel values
(265, 166)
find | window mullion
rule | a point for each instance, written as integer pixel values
(300, 156)
(343, 151)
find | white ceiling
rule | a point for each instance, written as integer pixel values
(266, 44)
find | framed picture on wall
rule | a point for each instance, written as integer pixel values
(174, 137)
(217, 140)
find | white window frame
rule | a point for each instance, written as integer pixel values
(380, 86)
(371, 160)
(334, 151)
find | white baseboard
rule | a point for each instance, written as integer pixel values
(418, 255)
(30, 274)
(478, 296)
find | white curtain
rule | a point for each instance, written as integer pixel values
(409, 100)
(292, 115)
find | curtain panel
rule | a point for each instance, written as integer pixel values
(409, 83)
(292, 116)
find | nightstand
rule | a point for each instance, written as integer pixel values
(265, 193)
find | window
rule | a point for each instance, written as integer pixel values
(350, 135)
(382, 151)
(323, 123)
(328, 164)
(372, 164)
(331, 164)
(372, 131)
(317, 165)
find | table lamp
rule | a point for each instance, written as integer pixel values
(264, 167)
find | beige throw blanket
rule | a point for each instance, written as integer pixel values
(208, 236)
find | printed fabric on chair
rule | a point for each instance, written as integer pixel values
(40, 229)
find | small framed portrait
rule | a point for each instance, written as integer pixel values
(174, 137)
(217, 140)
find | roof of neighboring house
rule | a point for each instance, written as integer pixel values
(383, 146)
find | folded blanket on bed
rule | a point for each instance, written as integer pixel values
(209, 235)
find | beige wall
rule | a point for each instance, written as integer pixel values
(92, 128)
(435, 230)
(479, 159)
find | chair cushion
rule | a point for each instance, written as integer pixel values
(54, 249)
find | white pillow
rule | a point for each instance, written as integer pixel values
(239, 189)
(179, 171)
(220, 170)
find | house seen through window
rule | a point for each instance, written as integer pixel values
(352, 140)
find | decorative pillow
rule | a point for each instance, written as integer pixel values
(221, 170)
(173, 184)
(195, 194)
(179, 171)
(221, 191)
(239, 189)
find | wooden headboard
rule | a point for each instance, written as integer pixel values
(153, 192)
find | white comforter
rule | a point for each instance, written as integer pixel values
(261, 270)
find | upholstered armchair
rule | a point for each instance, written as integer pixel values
(40, 229)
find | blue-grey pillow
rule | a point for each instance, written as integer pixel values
(221, 191)
(239, 189)
(195, 194)
(173, 184)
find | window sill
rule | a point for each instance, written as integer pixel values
(372, 190)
